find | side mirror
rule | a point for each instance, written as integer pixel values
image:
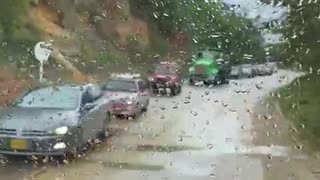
(88, 107)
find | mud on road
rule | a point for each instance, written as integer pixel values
(201, 134)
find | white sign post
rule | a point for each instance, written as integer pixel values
(42, 51)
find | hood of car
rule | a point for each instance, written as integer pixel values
(36, 119)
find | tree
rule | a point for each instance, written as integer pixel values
(12, 13)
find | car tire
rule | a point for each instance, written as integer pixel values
(191, 82)
(145, 108)
(180, 89)
(131, 118)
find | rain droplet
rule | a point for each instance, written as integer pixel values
(212, 175)
(210, 146)
(267, 134)
(243, 127)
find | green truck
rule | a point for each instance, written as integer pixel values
(208, 67)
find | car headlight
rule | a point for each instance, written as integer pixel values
(62, 130)
(129, 102)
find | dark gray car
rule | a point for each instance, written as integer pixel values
(54, 120)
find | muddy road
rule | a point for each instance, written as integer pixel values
(200, 134)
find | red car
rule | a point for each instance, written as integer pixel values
(165, 79)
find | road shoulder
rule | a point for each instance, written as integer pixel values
(271, 128)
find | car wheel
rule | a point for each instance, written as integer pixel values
(132, 117)
(174, 90)
(207, 83)
(191, 82)
(179, 89)
(145, 108)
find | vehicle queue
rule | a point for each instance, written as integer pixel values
(61, 120)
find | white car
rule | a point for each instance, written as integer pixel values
(273, 66)
(235, 72)
(248, 71)
(263, 70)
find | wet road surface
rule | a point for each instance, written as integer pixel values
(204, 133)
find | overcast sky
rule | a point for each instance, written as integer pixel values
(260, 13)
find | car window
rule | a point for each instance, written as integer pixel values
(120, 85)
(168, 70)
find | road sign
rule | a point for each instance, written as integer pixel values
(42, 51)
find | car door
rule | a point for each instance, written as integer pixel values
(91, 116)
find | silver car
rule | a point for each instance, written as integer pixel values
(247, 70)
(263, 70)
(273, 66)
(235, 72)
(54, 121)
(129, 94)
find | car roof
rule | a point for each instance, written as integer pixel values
(125, 76)
(166, 64)
(79, 87)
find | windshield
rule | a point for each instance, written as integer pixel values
(126, 86)
(166, 70)
(63, 98)
(172, 109)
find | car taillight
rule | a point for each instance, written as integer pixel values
(143, 93)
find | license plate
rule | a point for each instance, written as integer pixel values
(19, 144)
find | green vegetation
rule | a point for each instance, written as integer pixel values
(14, 23)
(208, 23)
(300, 103)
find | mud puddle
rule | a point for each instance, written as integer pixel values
(127, 166)
(164, 148)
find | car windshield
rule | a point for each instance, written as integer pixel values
(120, 85)
(172, 109)
(167, 70)
(55, 98)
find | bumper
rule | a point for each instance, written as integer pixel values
(128, 111)
(40, 146)
(57, 153)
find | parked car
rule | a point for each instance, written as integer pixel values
(235, 72)
(165, 78)
(263, 70)
(54, 121)
(248, 71)
(129, 94)
(273, 66)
